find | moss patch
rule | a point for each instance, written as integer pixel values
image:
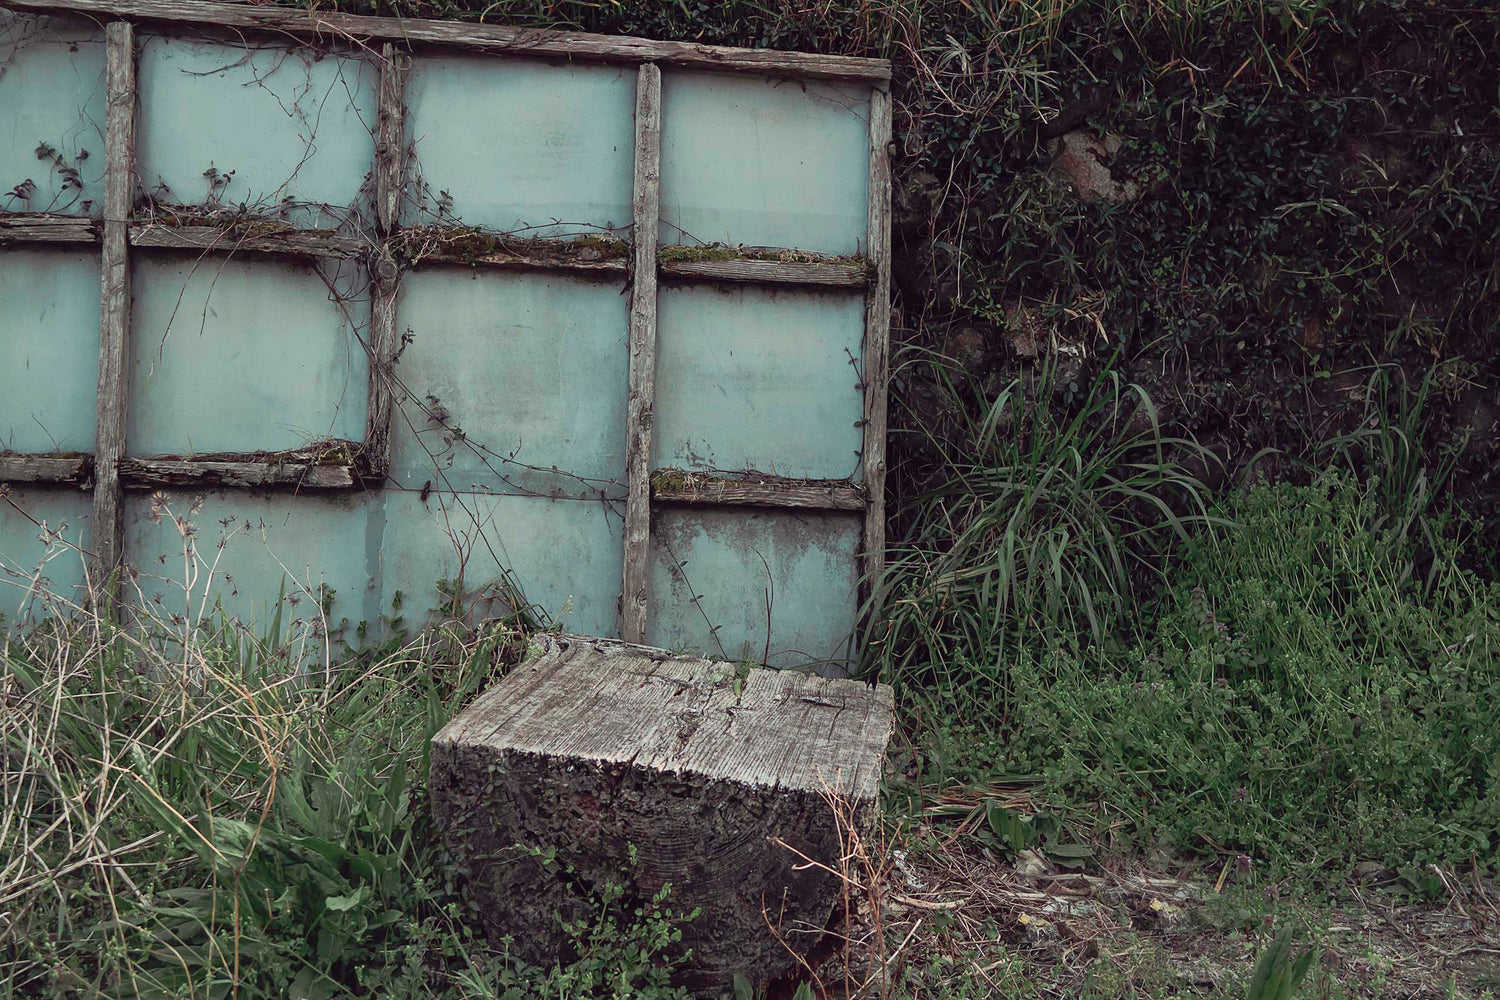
(681, 482)
(720, 251)
(327, 452)
(472, 245)
(676, 481)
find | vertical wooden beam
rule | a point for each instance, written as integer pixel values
(114, 301)
(877, 333)
(385, 276)
(642, 399)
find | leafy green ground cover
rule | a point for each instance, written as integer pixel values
(1299, 695)
(1305, 671)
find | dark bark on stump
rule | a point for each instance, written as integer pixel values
(598, 746)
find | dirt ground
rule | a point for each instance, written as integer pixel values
(959, 919)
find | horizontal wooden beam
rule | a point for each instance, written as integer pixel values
(488, 38)
(469, 246)
(606, 268)
(44, 227)
(65, 470)
(673, 486)
(607, 258)
(220, 239)
(144, 473)
(837, 274)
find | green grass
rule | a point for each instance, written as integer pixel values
(199, 816)
(1045, 524)
(1307, 673)
(1298, 697)
(1300, 693)
(196, 814)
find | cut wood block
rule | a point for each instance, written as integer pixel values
(715, 777)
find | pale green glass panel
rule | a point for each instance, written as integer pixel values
(755, 379)
(714, 573)
(49, 301)
(51, 115)
(295, 126)
(230, 355)
(512, 375)
(563, 555)
(241, 553)
(42, 564)
(520, 145)
(764, 162)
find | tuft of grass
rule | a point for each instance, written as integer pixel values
(1277, 974)
(1393, 449)
(1050, 521)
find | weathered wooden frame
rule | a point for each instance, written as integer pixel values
(111, 472)
(492, 39)
(641, 402)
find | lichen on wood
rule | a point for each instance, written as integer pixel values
(755, 489)
(764, 266)
(325, 451)
(476, 246)
(254, 238)
(236, 219)
(323, 465)
(44, 227)
(684, 253)
(55, 468)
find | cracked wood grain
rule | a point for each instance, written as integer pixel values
(640, 406)
(114, 303)
(66, 470)
(877, 334)
(385, 274)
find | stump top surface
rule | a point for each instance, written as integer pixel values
(609, 702)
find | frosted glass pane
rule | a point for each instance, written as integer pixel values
(751, 379)
(273, 128)
(237, 356)
(41, 565)
(532, 368)
(519, 145)
(48, 383)
(764, 163)
(51, 115)
(249, 551)
(565, 556)
(710, 587)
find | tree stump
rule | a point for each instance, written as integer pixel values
(714, 777)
